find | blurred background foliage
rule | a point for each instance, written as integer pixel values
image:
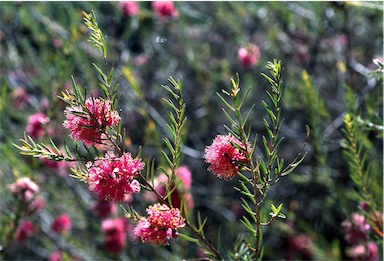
(327, 50)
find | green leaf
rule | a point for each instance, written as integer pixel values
(225, 102)
(101, 73)
(188, 238)
(169, 162)
(248, 225)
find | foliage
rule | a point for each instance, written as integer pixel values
(332, 68)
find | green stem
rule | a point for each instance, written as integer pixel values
(255, 177)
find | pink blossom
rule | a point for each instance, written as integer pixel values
(363, 206)
(165, 9)
(301, 245)
(103, 208)
(62, 223)
(20, 98)
(160, 226)
(359, 252)
(185, 175)
(57, 43)
(35, 126)
(24, 189)
(36, 205)
(115, 234)
(129, 8)
(177, 194)
(140, 60)
(24, 230)
(55, 256)
(224, 156)
(89, 123)
(113, 177)
(356, 229)
(248, 55)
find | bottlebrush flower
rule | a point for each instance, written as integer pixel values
(301, 245)
(24, 230)
(115, 234)
(359, 252)
(89, 123)
(160, 226)
(24, 189)
(35, 125)
(55, 256)
(182, 174)
(356, 229)
(248, 55)
(113, 177)
(185, 175)
(165, 9)
(36, 205)
(103, 208)
(224, 156)
(20, 98)
(129, 8)
(62, 223)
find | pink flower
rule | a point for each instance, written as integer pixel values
(20, 98)
(165, 9)
(55, 256)
(185, 175)
(115, 234)
(113, 177)
(301, 245)
(160, 226)
(88, 124)
(248, 56)
(224, 156)
(24, 230)
(359, 252)
(36, 205)
(356, 229)
(140, 60)
(24, 189)
(129, 8)
(103, 208)
(62, 223)
(35, 125)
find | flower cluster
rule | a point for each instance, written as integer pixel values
(359, 252)
(301, 245)
(165, 9)
(87, 124)
(20, 98)
(115, 234)
(224, 155)
(248, 56)
(356, 233)
(103, 208)
(35, 126)
(183, 181)
(356, 229)
(129, 8)
(160, 226)
(56, 256)
(113, 177)
(24, 230)
(62, 224)
(24, 189)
